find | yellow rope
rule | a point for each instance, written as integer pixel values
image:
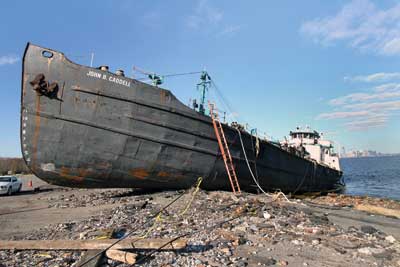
(158, 219)
(199, 180)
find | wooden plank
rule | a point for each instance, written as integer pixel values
(121, 256)
(91, 244)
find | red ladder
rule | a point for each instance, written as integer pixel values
(223, 146)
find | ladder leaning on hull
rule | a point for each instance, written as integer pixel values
(223, 146)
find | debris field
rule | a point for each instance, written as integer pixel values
(216, 228)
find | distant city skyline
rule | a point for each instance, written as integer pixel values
(365, 153)
(332, 65)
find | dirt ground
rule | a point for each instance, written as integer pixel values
(22, 213)
(274, 233)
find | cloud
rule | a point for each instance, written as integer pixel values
(360, 97)
(388, 87)
(363, 110)
(361, 25)
(8, 60)
(376, 106)
(376, 77)
(204, 14)
(343, 115)
(359, 120)
(367, 123)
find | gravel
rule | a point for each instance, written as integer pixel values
(269, 233)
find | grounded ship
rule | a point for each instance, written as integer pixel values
(88, 127)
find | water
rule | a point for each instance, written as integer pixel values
(377, 176)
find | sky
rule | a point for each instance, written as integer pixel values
(331, 65)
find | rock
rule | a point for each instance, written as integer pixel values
(390, 239)
(366, 251)
(227, 251)
(283, 263)
(269, 262)
(297, 242)
(82, 235)
(315, 242)
(253, 234)
(266, 215)
(371, 251)
(368, 229)
(312, 230)
(242, 240)
(253, 227)
(234, 198)
(240, 228)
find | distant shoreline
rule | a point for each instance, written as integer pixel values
(378, 156)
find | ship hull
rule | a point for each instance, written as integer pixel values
(95, 129)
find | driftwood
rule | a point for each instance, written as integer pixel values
(121, 256)
(91, 244)
(378, 210)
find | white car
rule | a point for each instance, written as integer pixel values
(9, 185)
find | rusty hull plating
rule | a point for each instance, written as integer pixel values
(86, 127)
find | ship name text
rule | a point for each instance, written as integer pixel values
(110, 78)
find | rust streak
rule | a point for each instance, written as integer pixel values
(162, 97)
(49, 61)
(83, 172)
(65, 172)
(26, 76)
(36, 133)
(163, 174)
(139, 173)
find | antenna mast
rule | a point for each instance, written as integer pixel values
(203, 88)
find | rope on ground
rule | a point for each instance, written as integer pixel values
(198, 183)
(158, 219)
(156, 215)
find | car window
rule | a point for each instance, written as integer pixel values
(14, 179)
(5, 179)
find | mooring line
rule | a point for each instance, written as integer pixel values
(156, 215)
